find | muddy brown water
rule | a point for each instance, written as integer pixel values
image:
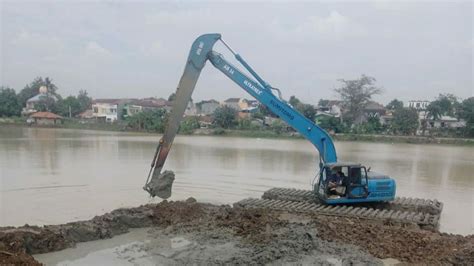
(51, 176)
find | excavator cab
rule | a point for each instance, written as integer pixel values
(342, 183)
(354, 184)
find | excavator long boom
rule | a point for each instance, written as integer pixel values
(201, 51)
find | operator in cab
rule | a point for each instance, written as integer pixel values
(334, 184)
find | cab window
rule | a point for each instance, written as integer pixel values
(356, 175)
(345, 171)
(323, 175)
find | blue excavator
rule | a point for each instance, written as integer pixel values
(358, 185)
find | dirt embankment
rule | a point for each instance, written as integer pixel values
(262, 236)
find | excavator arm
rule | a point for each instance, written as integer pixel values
(159, 184)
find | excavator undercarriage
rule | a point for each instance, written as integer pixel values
(422, 212)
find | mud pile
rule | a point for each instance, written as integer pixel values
(250, 236)
(16, 258)
(409, 244)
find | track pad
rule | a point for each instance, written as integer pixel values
(160, 184)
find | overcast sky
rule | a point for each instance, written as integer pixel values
(127, 49)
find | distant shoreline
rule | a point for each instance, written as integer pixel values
(257, 134)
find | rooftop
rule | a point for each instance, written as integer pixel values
(46, 115)
(374, 106)
(208, 101)
(109, 101)
(151, 102)
(40, 96)
(234, 100)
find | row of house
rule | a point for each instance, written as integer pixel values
(239, 104)
(110, 110)
(373, 109)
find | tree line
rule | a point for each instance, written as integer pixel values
(354, 96)
(12, 103)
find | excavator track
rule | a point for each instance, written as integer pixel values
(424, 220)
(429, 206)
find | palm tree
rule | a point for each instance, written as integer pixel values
(433, 112)
(52, 88)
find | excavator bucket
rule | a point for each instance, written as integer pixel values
(160, 184)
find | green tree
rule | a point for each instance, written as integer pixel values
(448, 103)
(52, 88)
(405, 121)
(244, 124)
(30, 90)
(445, 104)
(150, 120)
(84, 100)
(307, 110)
(395, 104)
(258, 115)
(371, 126)
(355, 95)
(9, 104)
(466, 112)
(434, 110)
(278, 126)
(172, 97)
(46, 104)
(188, 125)
(224, 117)
(323, 102)
(294, 101)
(68, 106)
(264, 111)
(330, 123)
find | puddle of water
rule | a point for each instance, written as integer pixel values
(146, 246)
(99, 252)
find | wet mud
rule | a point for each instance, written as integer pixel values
(209, 234)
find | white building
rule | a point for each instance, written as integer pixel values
(105, 109)
(233, 103)
(332, 108)
(191, 109)
(207, 107)
(446, 121)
